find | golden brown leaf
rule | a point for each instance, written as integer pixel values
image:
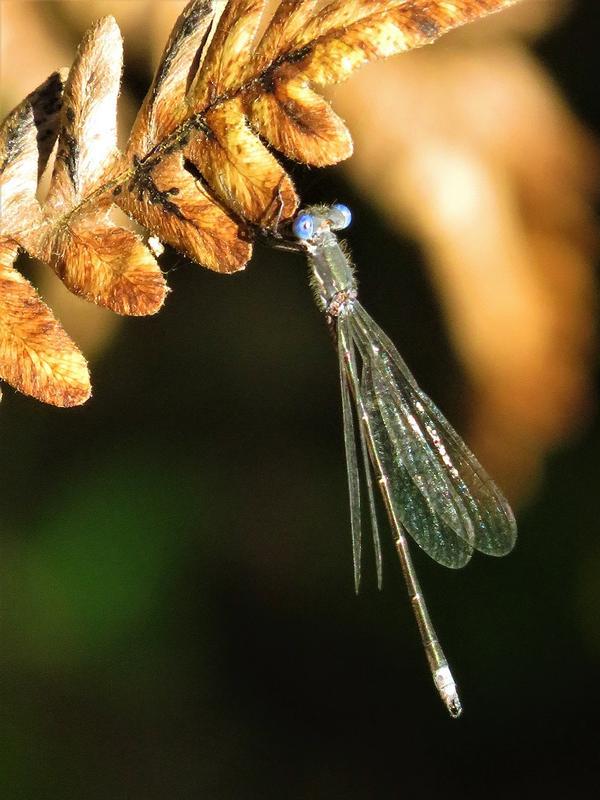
(94, 258)
(239, 168)
(233, 94)
(87, 144)
(299, 123)
(349, 33)
(165, 105)
(36, 355)
(20, 160)
(243, 175)
(284, 26)
(177, 207)
(326, 48)
(161, 194)
(231, 159)
(106, 264)
(226, 57)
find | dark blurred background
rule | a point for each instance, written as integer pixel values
(178, 612)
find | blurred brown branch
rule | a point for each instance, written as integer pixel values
(469, 148)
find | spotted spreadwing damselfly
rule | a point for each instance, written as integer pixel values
(432, 486)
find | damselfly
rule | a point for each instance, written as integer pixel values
(432, 486)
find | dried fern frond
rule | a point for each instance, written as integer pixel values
(96, 259)
(197, 170)
(36, 355)
(211, 102)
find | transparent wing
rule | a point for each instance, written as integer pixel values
(427, 449)
(350, 388)
(407, 441)
(351, 465)
(409, 504)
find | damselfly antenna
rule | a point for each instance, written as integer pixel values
(432, 486)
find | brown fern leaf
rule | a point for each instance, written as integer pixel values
(281, 105)
(36, 355)
(168, 200)
(212, 105)
(160, 193)
(95, 258)
(239, 169)
(350, 33)
(27, 136)
(227, 54)
(196, 168)
(20, 162)
(299, 50)
(165, 105)
(230, 174)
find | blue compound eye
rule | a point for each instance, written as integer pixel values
(303, 226)
(340, 216)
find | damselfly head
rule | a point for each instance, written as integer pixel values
(314, 220)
